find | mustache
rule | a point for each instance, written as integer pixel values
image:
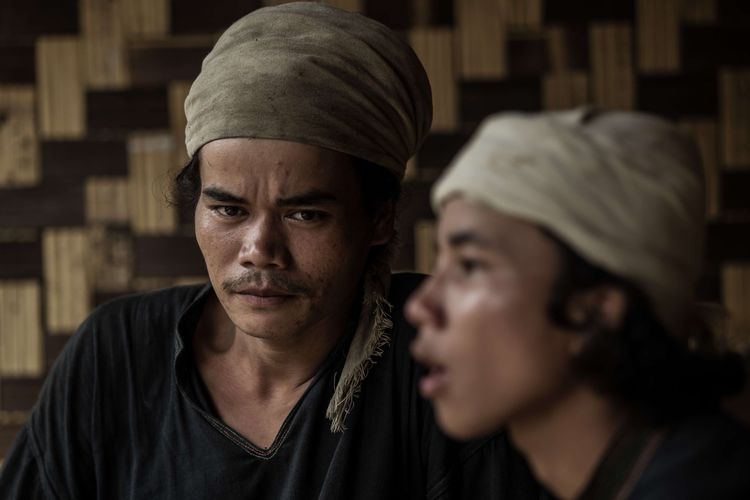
(266, 279)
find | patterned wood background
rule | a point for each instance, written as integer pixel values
(91, 127)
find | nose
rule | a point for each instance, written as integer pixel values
(264, 244)
(424, 307)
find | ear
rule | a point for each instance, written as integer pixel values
(603, 307)
(382, 231)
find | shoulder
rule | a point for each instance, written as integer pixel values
(130, 329)
(706, 456)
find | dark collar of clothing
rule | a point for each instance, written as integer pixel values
(624, 463)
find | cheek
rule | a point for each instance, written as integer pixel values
(503, 355)
(217, 246)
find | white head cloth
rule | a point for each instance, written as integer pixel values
(623, 189)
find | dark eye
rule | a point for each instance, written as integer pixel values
(306, 215)
(228, 210)
(469, 266)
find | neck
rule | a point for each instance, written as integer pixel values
(566, 442)
(266, 367)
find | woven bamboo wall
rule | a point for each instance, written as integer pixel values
(91, 125)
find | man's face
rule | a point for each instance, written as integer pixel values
(284, 234)
(484, 335)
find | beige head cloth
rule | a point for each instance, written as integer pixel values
(311, 73)
(623, 189)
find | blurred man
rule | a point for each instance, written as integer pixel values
(289, 375)
(569, 247)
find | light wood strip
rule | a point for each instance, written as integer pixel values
(523, 14)
(481, 40)
(20, 332)
(112, 261)
(178, 92)
(565, 90)
(60, 86)
(67, 278)
(424, 246)
(434, 47)
(144, 19)
(658, 29)
(612, 78)
(736, 294)
(19, 155)
(150, 159)
(104, 50)
(705, 134)
(107, 200)
(734, 89)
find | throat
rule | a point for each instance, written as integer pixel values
(565, 444)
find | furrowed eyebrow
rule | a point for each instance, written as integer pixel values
(314, 197)
(219, 194)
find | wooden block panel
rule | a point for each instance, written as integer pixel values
(567, 48)
(46, 205)
(658, 30)
(439, 149)
(736, 295)
(681, 95)
(199, 16)
(167, 256)
(107, 200)
(117, 113)
(527, 54)
(481, 38)
(19, 156)
(705, 134)
(699, 11)
(67, 282)
(612, 78)
(60, 88)
(23, 20)
(735, 186)
(21, 348)
(480, 99)
(728, 241)
(522, 13)
(145, 18)
(18, 394)
(565, 90)
(577, 11)
(350, 5)
(150, 158)
(424, 246)
(17, 63)
(103, 44)
(714, 47)
(435, 49)
(161, 62)
(26, 257)
(112, 259)
(66, 162)
(734, 92)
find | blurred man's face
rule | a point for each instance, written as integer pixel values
(284, 234)
(484, 335)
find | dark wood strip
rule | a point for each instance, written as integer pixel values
(166, 256)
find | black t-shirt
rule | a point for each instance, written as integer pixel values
(124, 415)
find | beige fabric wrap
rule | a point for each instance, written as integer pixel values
(623, 189)
(311, 73)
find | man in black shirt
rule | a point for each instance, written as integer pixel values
(288, 376)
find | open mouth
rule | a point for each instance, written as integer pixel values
(433, 382)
